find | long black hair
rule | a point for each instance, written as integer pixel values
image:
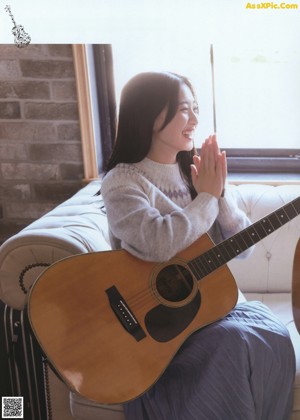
(143, 98)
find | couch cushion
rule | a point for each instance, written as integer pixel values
(269, 267)
(76, 226)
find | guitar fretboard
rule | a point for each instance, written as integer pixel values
(230, 248)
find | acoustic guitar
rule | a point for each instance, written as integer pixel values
(110, 323)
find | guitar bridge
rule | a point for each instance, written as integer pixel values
(124, 314)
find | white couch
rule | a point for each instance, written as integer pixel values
(79, 225)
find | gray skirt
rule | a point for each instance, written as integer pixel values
(239, 368)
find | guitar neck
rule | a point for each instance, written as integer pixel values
(232, 247)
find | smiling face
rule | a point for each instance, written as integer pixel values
(178, 134)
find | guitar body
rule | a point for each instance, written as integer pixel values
(110, 323)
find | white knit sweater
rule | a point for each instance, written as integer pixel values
(151, 214)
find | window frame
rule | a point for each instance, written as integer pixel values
(266, 161)
(88, 141)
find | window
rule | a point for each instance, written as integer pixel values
(257, 93)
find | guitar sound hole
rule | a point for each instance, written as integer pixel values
(174, 283)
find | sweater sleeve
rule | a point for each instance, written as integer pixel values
(148, 233)
(231, 219)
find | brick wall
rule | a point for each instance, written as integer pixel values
(40, 149)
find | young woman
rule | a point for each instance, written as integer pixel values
(160, 197)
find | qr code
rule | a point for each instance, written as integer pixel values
(12, 407)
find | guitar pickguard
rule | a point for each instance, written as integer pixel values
(164, 323)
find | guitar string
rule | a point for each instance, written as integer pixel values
(200, 267)
(145, 296)
(150, 292)
(141, 298)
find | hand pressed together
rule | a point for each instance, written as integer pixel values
(209, 170)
